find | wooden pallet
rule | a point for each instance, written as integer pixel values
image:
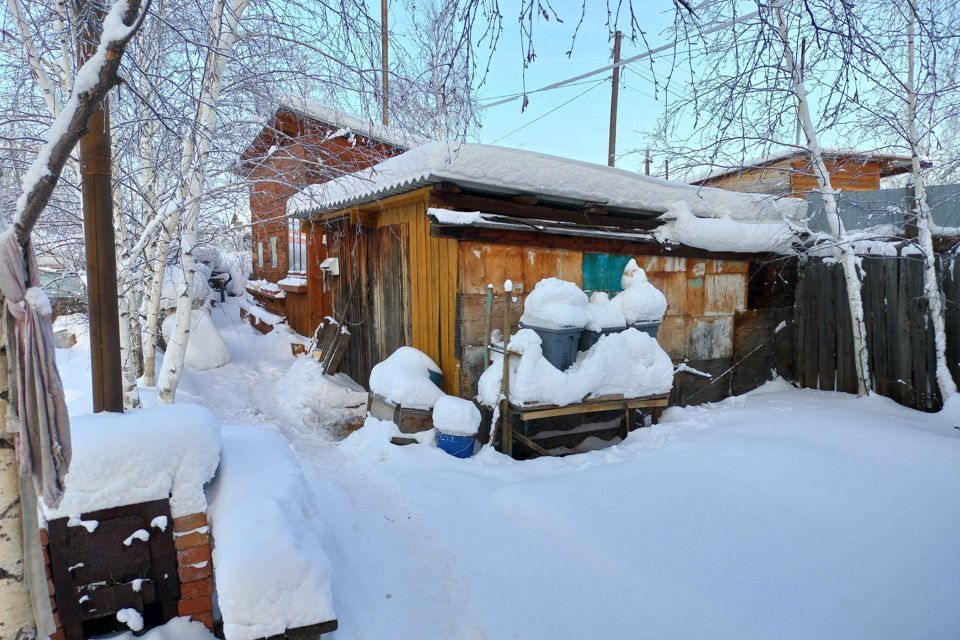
(593, 405)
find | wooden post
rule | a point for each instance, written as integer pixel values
(384, 62)
(506, 431)
(96, 170)
(486, 327)
(614, 90)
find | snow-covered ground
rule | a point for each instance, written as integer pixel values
(784, 513)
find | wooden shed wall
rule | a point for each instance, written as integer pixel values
(397, 286)
(703, 296)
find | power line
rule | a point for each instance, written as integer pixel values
(558, 107)
(640, 56)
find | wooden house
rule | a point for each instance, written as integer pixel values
(402, 253)
(304, 143)
(789, 173)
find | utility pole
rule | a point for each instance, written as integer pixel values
(384, 62)
(96, 170)
(614, 91)
(646, 163)
(666, 169)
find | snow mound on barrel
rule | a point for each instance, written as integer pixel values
(404, 379)
(601, 314)
(639, 301)
(456, 416)
(141, 455)
(271, 572)
(555, 304)
(629, 362)
(206, 349)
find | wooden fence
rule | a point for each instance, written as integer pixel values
(899, 333)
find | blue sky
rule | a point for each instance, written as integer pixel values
(578, 129)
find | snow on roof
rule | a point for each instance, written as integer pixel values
(900, 161)
(679, 227)
(505, 171)
(348, 123)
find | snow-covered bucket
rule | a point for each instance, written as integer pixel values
(649, 328)
(603, 318)
(589, 337)
(457, 422)
(557, 311)
(457, 446)
(559, 345)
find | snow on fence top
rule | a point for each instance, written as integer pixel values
(562, 180)
(138, 456)
(348, 124)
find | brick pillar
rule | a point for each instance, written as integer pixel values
(195, 566)
(45, 546)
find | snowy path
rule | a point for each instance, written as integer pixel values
(788, 514)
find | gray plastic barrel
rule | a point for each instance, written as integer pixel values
(590, 337)
(649, 328)
(559, 345)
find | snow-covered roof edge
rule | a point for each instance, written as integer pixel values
(506, 171)
(772, 158)
(340, 120)
(680, 227)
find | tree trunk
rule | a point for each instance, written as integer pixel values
(223, 23)
(922, 220)
(848, 258)
(16, 613)
(154, 291)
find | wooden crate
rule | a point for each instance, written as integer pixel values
(407, 420)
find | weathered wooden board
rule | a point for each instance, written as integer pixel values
(902, 356)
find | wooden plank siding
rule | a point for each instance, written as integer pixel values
(397, 284)
(702, 295)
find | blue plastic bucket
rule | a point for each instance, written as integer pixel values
(457, 446)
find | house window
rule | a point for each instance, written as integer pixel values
(296, 247)
(260, 254)
(273, 252)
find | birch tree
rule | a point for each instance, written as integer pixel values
(852, 275)
(745, 93)
(90, 86)
(223, 33)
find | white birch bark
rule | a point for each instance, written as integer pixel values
(848, 258)
(931, 287)
(223, 35)
(16, 612)
(44, 83)
(131, 393)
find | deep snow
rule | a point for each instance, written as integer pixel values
(784, 513)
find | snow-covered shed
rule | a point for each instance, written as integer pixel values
(303, 143)
(408, 247)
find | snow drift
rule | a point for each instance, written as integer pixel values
(271, 572)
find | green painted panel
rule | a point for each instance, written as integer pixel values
(602, 271)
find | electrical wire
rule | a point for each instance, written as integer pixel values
(557, 108)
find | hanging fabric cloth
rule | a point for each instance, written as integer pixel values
(38, 410)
